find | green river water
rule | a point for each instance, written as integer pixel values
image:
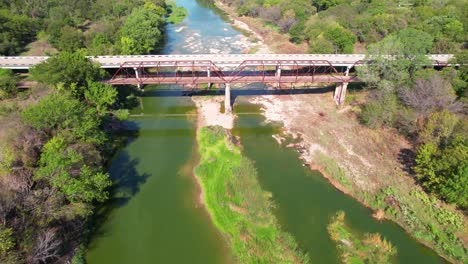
(155, 216)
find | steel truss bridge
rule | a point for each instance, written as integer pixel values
(226, 69)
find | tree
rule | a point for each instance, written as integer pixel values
(438, 128)
(430, 94)
(71, 39)
(141, 32)
(445, 171)
(100, 95)
(68, 171)
(15, 32)
(342, 39)
(6, 240)
(72, 70)
(7, 84)
(61, 114)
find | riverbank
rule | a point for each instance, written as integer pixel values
(367, 164)
(270, 40)
(238, 206)
(364, 163)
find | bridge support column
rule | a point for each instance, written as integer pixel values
(227, 99)
(278, 75)
(340, 90)
(340, 93)
(208, 74)
(138, 77)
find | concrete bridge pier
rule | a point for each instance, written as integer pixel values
(208, 74)
(227, 98)
(138, 77)
(341, 88)
(278, 75)
(340, 93)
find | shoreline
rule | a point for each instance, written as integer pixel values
(268, 40)
(360, 162)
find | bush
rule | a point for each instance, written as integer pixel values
(7, 84)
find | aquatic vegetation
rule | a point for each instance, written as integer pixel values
(372, 248)
(239, 208)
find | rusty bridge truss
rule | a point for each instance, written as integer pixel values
(197, 72)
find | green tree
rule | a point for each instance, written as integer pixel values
(61, 114)
(445, 171)
(296, 33)
(7, 84)
(6, 240)
(72, 70)
(141, 32)
(71, 39)
(342, 39)
(438, 128)
(100, 95)
(67, 170)
(15, 32)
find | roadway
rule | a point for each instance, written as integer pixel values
(221, 60)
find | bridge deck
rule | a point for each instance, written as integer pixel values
(219, 80)
(221, 60)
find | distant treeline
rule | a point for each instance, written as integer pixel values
(99, 27)
(335, 26)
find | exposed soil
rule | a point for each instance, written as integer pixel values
(209, 112)
(369, 157)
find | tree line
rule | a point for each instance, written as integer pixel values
(53, 172)
(428, 106)
(336, 26)
(101, 27)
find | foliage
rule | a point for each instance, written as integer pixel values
(7, 84)
(332, 168)
(68, 171)
(372, 248)
(15, 32)
(71, 39)
(427, 219)
(176, 13)
(6, 240)
(240, 209)
(100, 95)
(141, 32)
(72, 70)
(61, 114)
(438, 128)
(430, 94)
(341, 38)
(445, 171)
(437, 27)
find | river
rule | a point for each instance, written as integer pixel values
(155, 216)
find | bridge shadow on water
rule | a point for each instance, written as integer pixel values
(255, 91)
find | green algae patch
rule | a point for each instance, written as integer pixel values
(353, 250)
(238, 206)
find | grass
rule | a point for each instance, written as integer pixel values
(427, 220)
(372, 248)
(238, 206)
(332, 168)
